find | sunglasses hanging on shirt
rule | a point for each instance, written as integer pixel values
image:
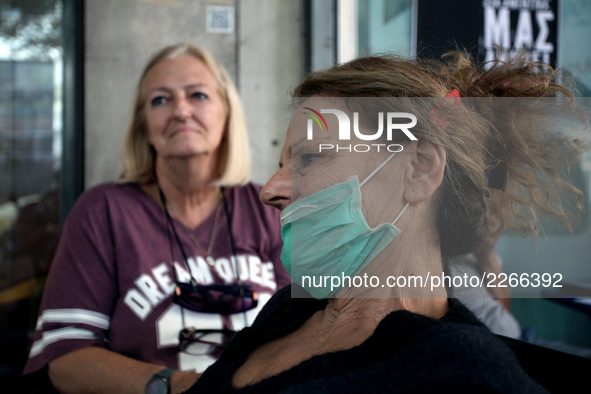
(220, 299)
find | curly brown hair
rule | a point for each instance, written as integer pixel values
(484, 137)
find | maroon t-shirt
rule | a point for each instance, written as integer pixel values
(111, 281)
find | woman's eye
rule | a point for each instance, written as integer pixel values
(199, 96)
(302, 162)
(308, 158)
(158, 100)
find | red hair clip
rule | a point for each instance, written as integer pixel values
(442, 121)
(454, 93)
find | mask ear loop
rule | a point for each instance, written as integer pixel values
(374, 172)
(377, 169)
(400, 214)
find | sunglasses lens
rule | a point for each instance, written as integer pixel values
(187, 298)
(215, 299)
(230, 303)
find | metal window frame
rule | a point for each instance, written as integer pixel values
(72, 171)
(333, 31)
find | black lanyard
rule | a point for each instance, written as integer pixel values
(179, 243)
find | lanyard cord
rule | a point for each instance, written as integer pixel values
(234, 257)
(232, 244)
(169, 221)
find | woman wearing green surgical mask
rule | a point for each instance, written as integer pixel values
(371, 207)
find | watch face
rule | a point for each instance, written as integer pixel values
(157, 386)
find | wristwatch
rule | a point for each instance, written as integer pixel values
(159, 383)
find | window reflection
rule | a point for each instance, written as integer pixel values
(30, 152)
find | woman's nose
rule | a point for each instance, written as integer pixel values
(182, 108)
(277, 191)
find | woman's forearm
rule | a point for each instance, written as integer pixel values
(97, 370)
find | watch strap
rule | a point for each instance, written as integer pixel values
(164, 375)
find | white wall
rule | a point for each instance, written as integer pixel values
(271, 55)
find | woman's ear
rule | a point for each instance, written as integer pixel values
(424, 172)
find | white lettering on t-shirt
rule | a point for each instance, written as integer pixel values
(150, 289)
(242, 267)
(163, 279)
(153, 287)
(268, 276)
(224, 270)
(254, 264)
(200, 270)
(137, 303)
(181, 273)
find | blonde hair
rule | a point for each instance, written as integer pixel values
(530, 160)
(138, 156)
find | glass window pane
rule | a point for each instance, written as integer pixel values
(30, 153)
(384, 25)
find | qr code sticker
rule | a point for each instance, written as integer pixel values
(220, 19)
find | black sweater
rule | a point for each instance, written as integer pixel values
(407, 353)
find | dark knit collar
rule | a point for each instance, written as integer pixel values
(284, 314)
(295, 311)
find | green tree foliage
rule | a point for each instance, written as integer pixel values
(31, 26)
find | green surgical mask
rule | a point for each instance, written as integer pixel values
(325, 234)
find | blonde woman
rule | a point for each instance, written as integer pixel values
(155, 272)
